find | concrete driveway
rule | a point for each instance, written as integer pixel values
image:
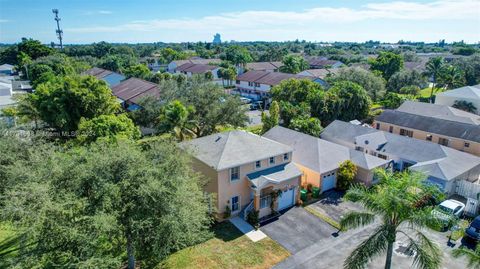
(297, 229)
(313, 244)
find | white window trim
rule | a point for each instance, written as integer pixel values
(255, 165)
(239, 204)
(230, 174)
(270, 163)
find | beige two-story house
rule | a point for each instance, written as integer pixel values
(439, 124)
(245, 171)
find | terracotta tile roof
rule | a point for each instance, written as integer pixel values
(133, 89)
(269, 78)
(196, 68)
(97, 72)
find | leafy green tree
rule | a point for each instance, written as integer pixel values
(88, 207)
(138, 71)
(108, 128)
(174, 119)
(271, 120)
(473, 256)
(373, 84)
(395, 201)
(212, 106)
(311, 126)
(410, 90)
(238, 55)
(33, 48)
(289, 112)
(293, 64)
(394, 100)
(209, 75)
(63, 102)
(116, 62)
(387, 64)
(434, 69)
(228, 73)
(405, 78)
(470, 67)
(346, 175)
(296, 91)
(465, 106)
(350, 100)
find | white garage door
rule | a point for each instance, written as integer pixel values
(286, 200)
(328, 181)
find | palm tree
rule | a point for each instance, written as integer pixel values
(175, 120)
(473, 256)
(465, 106)
(452, 77)
(434, 69)
(400, 203)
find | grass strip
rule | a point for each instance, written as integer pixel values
(323, 217)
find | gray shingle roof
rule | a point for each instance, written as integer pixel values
(318, 154)
(465, 131)
(439, 111)
(269, 78)
(437, 160)
(463, 92)
(234, 148)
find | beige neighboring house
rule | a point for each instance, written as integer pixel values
(320, 159)
(172, 66)
(244, 170)
(440, 124)
(264, 66)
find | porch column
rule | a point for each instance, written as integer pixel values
(256, 200)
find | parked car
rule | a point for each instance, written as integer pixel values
(473, 231)
(245, 100)
(256, 105)
(447, 210)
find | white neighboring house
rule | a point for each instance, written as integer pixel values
(468, 93)
(172, 66)
(7, 69)
(190, 69)
(256, 85)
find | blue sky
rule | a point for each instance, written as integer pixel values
(135, 21)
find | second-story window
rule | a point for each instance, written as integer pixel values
(285, 157)
(257, 84)
(234, 173)
(258, 164)
(443, 141)
(250, 84)
(237, 81)
(271, 160)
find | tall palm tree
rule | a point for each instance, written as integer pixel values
(465, 106)
(400, 203)
(175, 120)
(473, 256)
(434, 69)
(452, 77)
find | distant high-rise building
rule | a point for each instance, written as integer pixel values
(217, 39)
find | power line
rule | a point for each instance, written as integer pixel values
(58, 31)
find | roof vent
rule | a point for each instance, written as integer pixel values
(366, 142)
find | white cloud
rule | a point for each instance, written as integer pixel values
(250, 24)
(98, 12)
(3, 20)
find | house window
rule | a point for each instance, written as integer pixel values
(443, 141)
(390, 129)
(272, 160)
(234, 173)
(466, 144)
(235, 203)
(358, 148)
(406, 132)
(265, 201)
(237, 81)
(429, 138)
(381, 156)
(378, 126)
(258, 164)
(285, 157)
(250, 84)
(257, 84)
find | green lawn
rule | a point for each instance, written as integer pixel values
(228, 249)
(426, 92)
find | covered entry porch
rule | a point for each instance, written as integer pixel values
(274, 189)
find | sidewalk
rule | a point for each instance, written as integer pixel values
(247, 229)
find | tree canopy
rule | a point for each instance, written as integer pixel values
(373, 84)
(107, 127)
(293, 64)
(62, 102)
(387, 64)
